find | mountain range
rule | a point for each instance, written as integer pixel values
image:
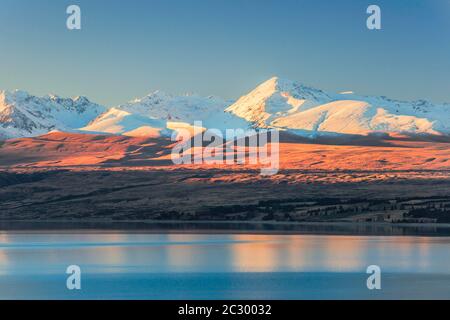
(277, 103)
(24, 115)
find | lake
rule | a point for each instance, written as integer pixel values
(131, 265)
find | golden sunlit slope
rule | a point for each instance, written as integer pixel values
(82, 150)
(59, 149)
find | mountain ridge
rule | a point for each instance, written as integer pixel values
(276, 103)
(25, 115)
(287, 105)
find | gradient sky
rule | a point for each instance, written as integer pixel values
(127, 49)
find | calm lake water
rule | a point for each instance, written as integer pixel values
(117, 265)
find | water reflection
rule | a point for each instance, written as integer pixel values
(4, 260)
(171, 253)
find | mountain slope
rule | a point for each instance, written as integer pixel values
(276, 103)
(24, 115)
(275, 98)
(159, 111)
(290, 106)
(380, 160)
(185, 109)
(115, 121)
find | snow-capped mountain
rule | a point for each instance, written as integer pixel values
(287, 105)
(276, 98)
(159, 110)
(276, 103)
(116, 121)
(24, 115)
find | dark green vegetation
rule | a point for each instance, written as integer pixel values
(187, 195)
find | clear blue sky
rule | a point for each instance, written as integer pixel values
(129, 48)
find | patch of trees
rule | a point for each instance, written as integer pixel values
(441, 214)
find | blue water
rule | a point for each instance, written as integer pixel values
(118, 265)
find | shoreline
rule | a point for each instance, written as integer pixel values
(227, 227)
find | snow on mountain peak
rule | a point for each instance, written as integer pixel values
(288, 105)
(23, 115)
(117, 121)
(276, 97)
(168, 108)
(8, 97)
(276, 103)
